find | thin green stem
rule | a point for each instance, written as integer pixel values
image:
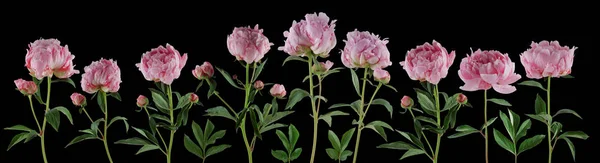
(222, 100)
(246, 104)
(439, 136)
(43, 141)
(170, 149)
(314, 110)
(361, 116)
(34, 116)
(422, 133)
(370, 101)
(91, 120)
(485, 132)
(160, 135)
(550, 147)
(104, 138)
(516, 157)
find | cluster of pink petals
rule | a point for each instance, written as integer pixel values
(142, 101)
(315, 34)
(546, 59)
(104, 75)
(259, 85)
(203, 71)
(381, 75)
(365, 50)
(46, 57)
(278, 91)
(26, 87)
(322, 66)
(483, 70)
(248, 44)
(162, 64)
(428, 62)
(78, 99)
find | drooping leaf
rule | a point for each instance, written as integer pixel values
(529, 143)
(412, 152)
(533, 83)
(160, 117)
(146, 134)
(122, 119)
(280, 155)
(19, 128)
(53, 117)
(295, 96)
(414, 139)
(571, 147)
(378, 126)
(338, 105)
(567, 111)
(133, 141)
(425, 102)
(216, 149)
(540, 105)
(499, 101)
(65, 112)
(147, 148)
(219, 111)
(384, 103)
(574, 134)
(391, 87)
(504, 142)
(94, 125)
(398, 145)
(537, 117)
(67, 80)
(317, 97)
(228, 78)
(556, 129)
(212, 88)
(334, 140)
(355, 81)
(30, 136)
(462, 133)
(293, 58)
(346, 138)
(17, 139)
(81, 138)
(328, 116)
(191, 147)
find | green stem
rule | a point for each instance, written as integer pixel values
(516, 157)
(422, 133)
(485, 132)
(43, 142)
(361, 116)
(33, 111)
(159, 135)
(104, 138)
(314, 110)
(170, 149)
(439, 136)
(91, 120)
(246, 104)
(222, 100)
(550, 148)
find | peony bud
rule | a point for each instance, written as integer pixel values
(234, 77)
(278, 91)
(259, 85)
(204, 71)
(194, 98)
(381, 75)
(462, 99)
(322, 67)
(142, 101)
(78, 99)
(26, 87)
(406, 102)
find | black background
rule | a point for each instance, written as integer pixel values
(123, 33)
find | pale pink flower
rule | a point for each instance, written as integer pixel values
(381, 75)
(26, 87)
(547, 59)
(162, 64)
(406, 102)
(194, 98)
(104, 75)
(141, 101)
(278, 91)
(313, 35)
(322, 67)
(259, 85)
(483, 70)
(428, 62)
(46, 57)
(365, 50)
(248, 44)
(204, 71)
(461, 98)
(78, 99)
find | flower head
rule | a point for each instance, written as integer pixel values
(278, 91)
(104, 75)
(26, 87)
(162, 64)
(78, 99)
(365, 50)
(46, 57)
(248, 44)
(204, 71)
(315, 34)
(483, 70)
(381, 75)
(428, 62)
(546, 59)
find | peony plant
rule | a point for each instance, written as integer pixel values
(205, 137)
(291, 153)
(249, 46)
(102, 78)
(45, 59)
(548, 59)
(516, 130)
(307, 41)
(428, 63)
(162, 65)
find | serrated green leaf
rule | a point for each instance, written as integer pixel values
(293, 135)
(504, 142)
(398, 145)
(53, 117)
(280, 155)
(19, 128)
(499, 101)
(228, 78)
(412, 152)
(295, 96)
(17, 139)
(533, 83)
(81, 138)
(122, 119)
(219, 111)
(295, 154)
(134, 141)
(332, 153)
(334, 140)
(328, 116)
(345, 154)
(346, 138)
(147, 148)
(574, 134)
(216, 149)
(384, 103)
(567, 111)
(191, 147)
(159, 101)
(425, 102)
(67, 80)
(355, 81)
(529, 143)
(293, 58)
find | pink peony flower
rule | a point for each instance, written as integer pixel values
(406, 102)
(381, 75)
(78, 99)
(142, 101)
(322, 67)
(365, 50)
(248, 44)
(204, 71)
(46, 57)
(461, 99)
(428, 62)
(278, 91)
(547, 59)
(259, 85)
(483, 70)
(194, 98)
(162, 64)
(26, 87)
(104, 75)
(313, 35)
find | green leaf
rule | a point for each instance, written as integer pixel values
(293, 136)
(94, 125)
(537, 117)
(259, 70)
(378, 126)
(30, 136)
(275, 117)
(284, 140)
(217, 135)
(571, 147)
(540, 105)
(208, 129)
(147, 148)
(385, 103)
(115, 95)
(212, 87)
(274, 106)
(462, 133)
(345, 154)
(271, 127)
(426, 119)
(355, 81)
(295, 96)
(146, 134)
(533, 83)
(160, 117)
(489, 122)
(216, 149)
(451, 102)
(465, 128)
(332, 153)
(346, 138)
(183, 101)
(328, 116)
(17, 139)
(504, 142)
(199, 135)
(425, 102)
(529, 143)
(339, 105)
(523, 130)
(159, 101)
(295, 154)
(556, 128)
(292, 58)
(122, 119)
(508, 125)
(88, 131)
(182, 117)
(191, 147)
(499, 101)
(567, 77)
(567, 111)
(412, 152)
(133, 141)
(334, 140)
(81, 138)
(398, 145)
(100, 101)
(574, 134)
(414, 139)
(53, 117)
(39, 98)
(67, 80)
(255, 124)
(19, 128)
(228, 78)
(391, 87)
(321, 98)
(199, 85)
(219, 111)
(280, 155)
(65, 112)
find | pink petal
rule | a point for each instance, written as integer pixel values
(504, 89)
(490, 78)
